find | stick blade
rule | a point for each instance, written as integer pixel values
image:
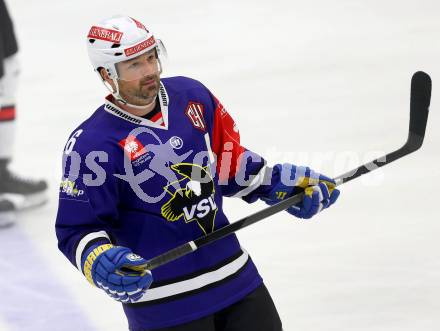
(421, 86)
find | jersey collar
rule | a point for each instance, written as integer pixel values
(113, 109)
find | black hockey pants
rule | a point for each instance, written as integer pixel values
(256, 312)
(8, 43)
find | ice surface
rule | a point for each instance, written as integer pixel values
(321, 83)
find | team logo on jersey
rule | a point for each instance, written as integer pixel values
(195, 111)
(194, 200)
(132, 147)
(176, 142)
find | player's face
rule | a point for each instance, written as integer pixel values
(139, 79)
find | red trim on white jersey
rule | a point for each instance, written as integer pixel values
(7, 113)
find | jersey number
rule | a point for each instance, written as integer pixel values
(72, 142)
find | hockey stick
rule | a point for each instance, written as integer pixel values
(419, 106)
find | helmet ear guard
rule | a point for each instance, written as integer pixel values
(105, 82)
(161, 49)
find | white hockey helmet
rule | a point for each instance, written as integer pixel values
(119, 38)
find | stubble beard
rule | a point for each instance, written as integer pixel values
(141, 95)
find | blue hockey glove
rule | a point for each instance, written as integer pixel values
(319, 191)
(117, 271)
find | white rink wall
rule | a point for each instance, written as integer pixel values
(316, 83)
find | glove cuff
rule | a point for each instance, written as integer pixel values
(91, 257)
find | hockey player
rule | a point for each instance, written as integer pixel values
(15, 192)
(148, 172)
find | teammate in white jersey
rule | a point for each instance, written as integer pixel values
(15, 192)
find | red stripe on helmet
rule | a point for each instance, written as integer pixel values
(139, 24)
(97, 32)
(140, 47)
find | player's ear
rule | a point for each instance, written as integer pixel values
(103, 73)
(106, 78)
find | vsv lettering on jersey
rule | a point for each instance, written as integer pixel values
(194, 200)
(202, 208)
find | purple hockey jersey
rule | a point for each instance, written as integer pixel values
(151, 187)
